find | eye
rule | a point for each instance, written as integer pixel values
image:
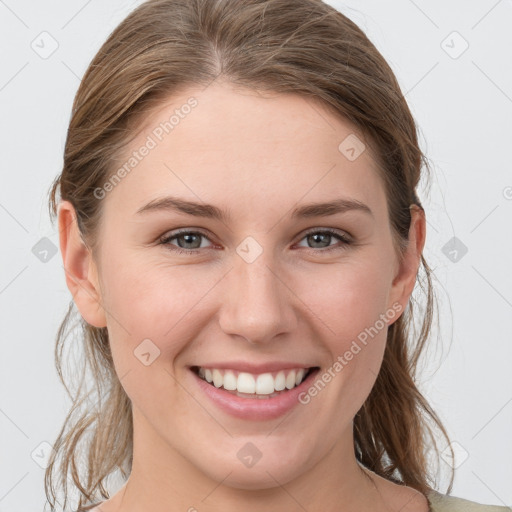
(320, 239)
(188, 241)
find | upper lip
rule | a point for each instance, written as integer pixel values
(244, 366)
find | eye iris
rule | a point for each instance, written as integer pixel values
(189, 239)
(315, 237)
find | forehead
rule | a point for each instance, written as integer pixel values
(243, 146)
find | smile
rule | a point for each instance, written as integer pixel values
(248, 385)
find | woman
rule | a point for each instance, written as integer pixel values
(241, 234)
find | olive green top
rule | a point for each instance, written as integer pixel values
(444, 503)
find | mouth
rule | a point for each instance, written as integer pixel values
(259, 386)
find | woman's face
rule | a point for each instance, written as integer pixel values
(262, 288)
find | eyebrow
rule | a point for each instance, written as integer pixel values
(325, 209)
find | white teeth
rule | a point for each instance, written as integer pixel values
(280, 381)
(290, 380)
(217, 378)
(230, 381)
(246, 383)
(263, 384)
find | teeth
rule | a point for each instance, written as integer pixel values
(280, 381)
(265, 384)
(262, 384)
(230, 381)
(246, 383)
(217, 378)
(290, 380)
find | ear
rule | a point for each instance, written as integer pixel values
(80, 269)
(407, 269)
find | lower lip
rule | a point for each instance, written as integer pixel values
(254, 409)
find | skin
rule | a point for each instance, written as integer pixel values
(257, 156)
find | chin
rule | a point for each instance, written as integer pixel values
(269, 467)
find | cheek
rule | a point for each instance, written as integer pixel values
(152, 311)
(154, 301)
(349, 304)
(347, 297)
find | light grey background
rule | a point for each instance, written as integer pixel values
(462, 102)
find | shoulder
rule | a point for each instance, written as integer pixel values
(445, 503)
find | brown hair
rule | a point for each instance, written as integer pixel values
(292, 46)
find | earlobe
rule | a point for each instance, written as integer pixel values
(405, 279)
(80, 269)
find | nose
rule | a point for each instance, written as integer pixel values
(257, 303)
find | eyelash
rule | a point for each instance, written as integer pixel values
(342, 238)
